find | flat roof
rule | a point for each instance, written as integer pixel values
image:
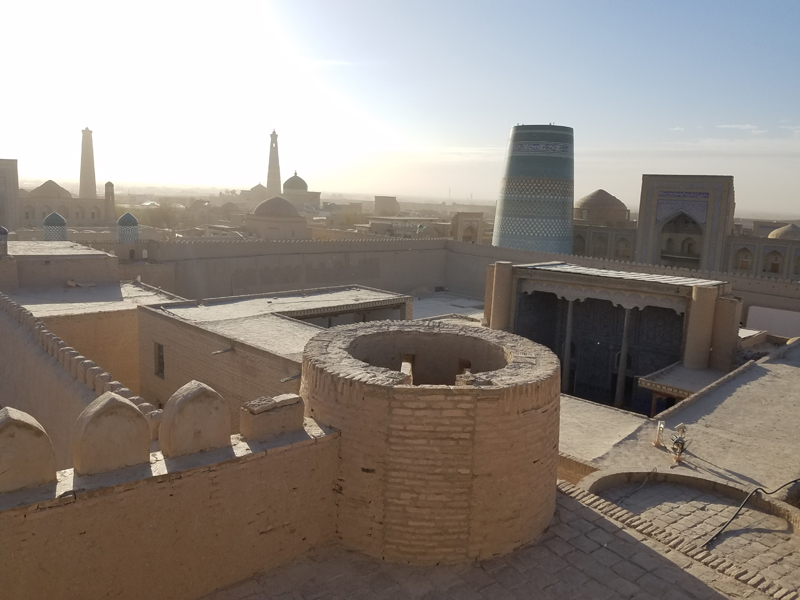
(590, 429)
(265, 321)
(295, 303)
(444, 303)
(39, 249)
(680, 380)
(104, 297)
(271, 332)
(625, 275)
(744, 430)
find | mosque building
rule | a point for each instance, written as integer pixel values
(294, 189)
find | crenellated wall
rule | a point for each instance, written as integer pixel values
(128, 524)
(44, 377)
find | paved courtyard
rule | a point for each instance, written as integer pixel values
(754, 540)
(584, 555)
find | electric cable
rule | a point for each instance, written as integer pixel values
(741, 506)
(626, 496)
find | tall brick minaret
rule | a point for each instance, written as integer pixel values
(88, 183)
(274, 173)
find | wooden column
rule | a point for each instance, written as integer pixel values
(619, 397)
(565, 364)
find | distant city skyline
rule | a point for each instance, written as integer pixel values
(412, 99)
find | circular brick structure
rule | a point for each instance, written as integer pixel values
(449, 437)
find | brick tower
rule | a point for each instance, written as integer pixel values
(88, 183)
(274, 173)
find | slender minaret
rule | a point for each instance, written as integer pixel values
(274, 173)
(110, 205)
(88, 183)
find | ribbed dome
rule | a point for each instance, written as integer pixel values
(600, 199)
(295, 183)
(789, 232)
(276, 207)
(128, 220)
(50, 189)
(55, 220)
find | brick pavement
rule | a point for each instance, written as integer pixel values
(755, 540)
(584, 555)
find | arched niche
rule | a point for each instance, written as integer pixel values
(622, 249)
(600, 246)
(680, 239)
(773, 262)
(469, 234)
(743, 259)
(579, 245)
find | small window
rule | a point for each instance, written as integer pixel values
(159, 360)
(584, 214)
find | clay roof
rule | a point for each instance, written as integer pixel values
(276, 207)
(600, 199)
(789, 232)
(50, 189)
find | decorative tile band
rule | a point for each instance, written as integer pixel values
(541, 149)
(669, 194)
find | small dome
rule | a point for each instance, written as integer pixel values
(295, 183)
(276, 207)
(600, 199)
(50, 189)
(3, 230)
(128, 220)
(789, 232)
(55, 220)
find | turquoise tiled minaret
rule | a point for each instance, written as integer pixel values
(534, 211)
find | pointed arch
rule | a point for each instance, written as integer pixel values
(579, 245)
(600, 246)
(773, 262)
(622, 248)
(743, 259)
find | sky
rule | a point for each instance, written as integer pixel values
(411, 98)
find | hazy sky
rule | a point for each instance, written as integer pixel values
(408, 97)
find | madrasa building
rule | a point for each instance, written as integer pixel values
(684, 221)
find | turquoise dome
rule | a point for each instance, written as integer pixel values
(128, 220)
(54, 220)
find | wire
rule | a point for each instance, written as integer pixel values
(741, 506)
(626, 496)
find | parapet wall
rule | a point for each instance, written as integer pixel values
(44, 377)
(236, 268)
(178, 527)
